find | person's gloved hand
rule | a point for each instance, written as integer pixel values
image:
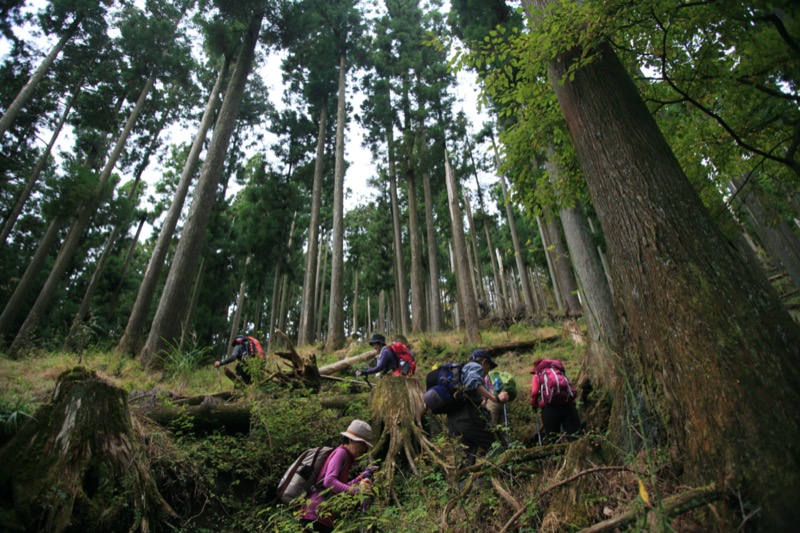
(502, 397)
(358, 373)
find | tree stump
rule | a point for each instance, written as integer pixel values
(77, 465)
(397, 409)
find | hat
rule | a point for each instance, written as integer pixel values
(360, 431)
(478, 355)
(377, 338)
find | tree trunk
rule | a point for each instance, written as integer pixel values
(778, 240)
(75, 236)
(520, 259)
(473, 254)
(167, 324)
(418, 318)
(86, 301)
(112, 302)
(468, 305)
(14, 303)
(236, 323)
(601, 318)
(335, 338)
(27, 91)
(131, 341)
(307, 304)
(561, 264)
(12, 217)
(77, 465)
(435, 308)
(399, 269)
(707, 342)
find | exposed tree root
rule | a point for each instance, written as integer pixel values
(671, 507)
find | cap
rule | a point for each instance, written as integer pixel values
(360, 431)
(482, 354)
(377, 338)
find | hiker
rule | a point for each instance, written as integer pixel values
(471, 420)
(396, 359)
(334, 475)
(243, 347)
(554, 395)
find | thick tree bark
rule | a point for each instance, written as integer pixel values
(706, 341)
(131, 341)
(335, 338)
(306, 329)
(75, 236)
(468, 305)
(168, 322)
(77, 465)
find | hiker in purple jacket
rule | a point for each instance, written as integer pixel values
(333, 478)
(387, 360)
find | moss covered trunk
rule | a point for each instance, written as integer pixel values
(709, 356)
(77, 465)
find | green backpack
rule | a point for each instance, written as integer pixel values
(504, 381)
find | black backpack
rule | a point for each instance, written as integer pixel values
(445, 393)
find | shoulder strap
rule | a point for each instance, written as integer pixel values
(292, 471)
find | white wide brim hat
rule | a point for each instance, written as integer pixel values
(360, 431)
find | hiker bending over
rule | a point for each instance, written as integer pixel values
(387, 360)
(334, 475)
(243, 348)
(472, 421)
(553, 393)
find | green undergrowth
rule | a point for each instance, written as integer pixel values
(219, 482)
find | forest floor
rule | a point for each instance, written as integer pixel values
(520, 487)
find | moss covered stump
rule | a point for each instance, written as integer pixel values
(78, 466)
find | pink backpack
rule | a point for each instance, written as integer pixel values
(554, 387)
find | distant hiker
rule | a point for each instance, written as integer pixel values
(333, 479)
(396, 359)
(471, 420)
(244, 347)
(553, 393)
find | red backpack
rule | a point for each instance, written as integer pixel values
(406, 365)
(554, 387)
(254, 347)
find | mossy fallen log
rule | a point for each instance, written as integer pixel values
(212, 414)
(77, 465)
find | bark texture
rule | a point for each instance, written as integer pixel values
(707, 350)
(172, 309)
(77, 465)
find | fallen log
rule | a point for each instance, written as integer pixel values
(521, 346)
(212, 414)
(344, 364)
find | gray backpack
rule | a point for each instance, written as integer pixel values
(302, 474)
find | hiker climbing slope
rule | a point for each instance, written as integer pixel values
(396, 359)
(471, 421)
(333, 479)
(243, 348)
(553, 393)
